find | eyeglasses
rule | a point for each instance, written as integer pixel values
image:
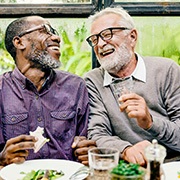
(105, 35)
(47, 28)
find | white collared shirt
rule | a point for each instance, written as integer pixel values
(138, 73)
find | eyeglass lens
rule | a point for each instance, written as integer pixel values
(50, 30)
(105, 35)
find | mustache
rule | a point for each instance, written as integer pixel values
(105, 48)
(43, 60)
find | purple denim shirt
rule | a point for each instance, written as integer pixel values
(61, 108)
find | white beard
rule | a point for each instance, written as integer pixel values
(115, 62)
(43, 60)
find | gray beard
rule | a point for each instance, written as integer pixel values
(42, 60)
(119, 59)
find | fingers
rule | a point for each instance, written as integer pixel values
(18, 160)
(81, 141)
(136, 154)
(21, 142)
(83, 159)
(81, 146)
(16, 149)
(21, 138)
(136, 107)
(82, 155)
(86, 143)
(83, 150)
(77, 139)
(130, 102)
(16, 157)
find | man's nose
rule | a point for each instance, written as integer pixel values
(101, 42)
(56, 38)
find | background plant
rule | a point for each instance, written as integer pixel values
(159, 37)
(75, 57)
(6, 61)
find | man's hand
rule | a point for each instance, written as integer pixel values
(16, 149)
(135, 107)
(136, 153)
(81, 146)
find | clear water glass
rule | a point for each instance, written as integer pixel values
(122, 87)
(102, 161)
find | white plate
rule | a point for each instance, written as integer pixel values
(171, 170)
(12, 171)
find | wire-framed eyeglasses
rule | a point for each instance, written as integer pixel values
(49, 30)
(105, 34)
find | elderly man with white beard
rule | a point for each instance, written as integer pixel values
(150, 110)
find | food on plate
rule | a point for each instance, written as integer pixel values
(43, 174)
(38, 133)
(124, 170)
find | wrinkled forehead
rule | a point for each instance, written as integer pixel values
(104, 22)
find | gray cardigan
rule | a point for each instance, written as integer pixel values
(111, 128)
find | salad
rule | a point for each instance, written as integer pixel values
(42, 174)
(127, 169)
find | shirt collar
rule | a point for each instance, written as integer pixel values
(24, 82)
(138, 73)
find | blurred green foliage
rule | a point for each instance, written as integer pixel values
(6, 61)
(73, 57)
(156, 39)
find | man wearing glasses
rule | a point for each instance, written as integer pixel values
(35, 95)
(147, 107)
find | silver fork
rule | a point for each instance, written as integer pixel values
(80, 174)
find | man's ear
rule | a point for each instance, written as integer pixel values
(18, 43)
(133, 36)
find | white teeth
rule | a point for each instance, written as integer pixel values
(54, 48)
(107, 52)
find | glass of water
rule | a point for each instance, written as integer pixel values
(122, 87)
(102, 161)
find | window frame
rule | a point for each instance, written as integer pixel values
(147, 8)
(81, 10)
(56, 10)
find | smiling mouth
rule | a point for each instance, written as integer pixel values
(107, 52)
(54, 48)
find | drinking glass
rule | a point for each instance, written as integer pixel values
(122, 87)
(101, 162)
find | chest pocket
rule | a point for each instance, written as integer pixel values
(14, 125)
(63, 124)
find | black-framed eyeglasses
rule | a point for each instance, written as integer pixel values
(105, 34)
(47, 28)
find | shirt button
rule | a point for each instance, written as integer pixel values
(13, 119)
(64, 115)
(23, 86)
(39, 119)
(37, 97)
